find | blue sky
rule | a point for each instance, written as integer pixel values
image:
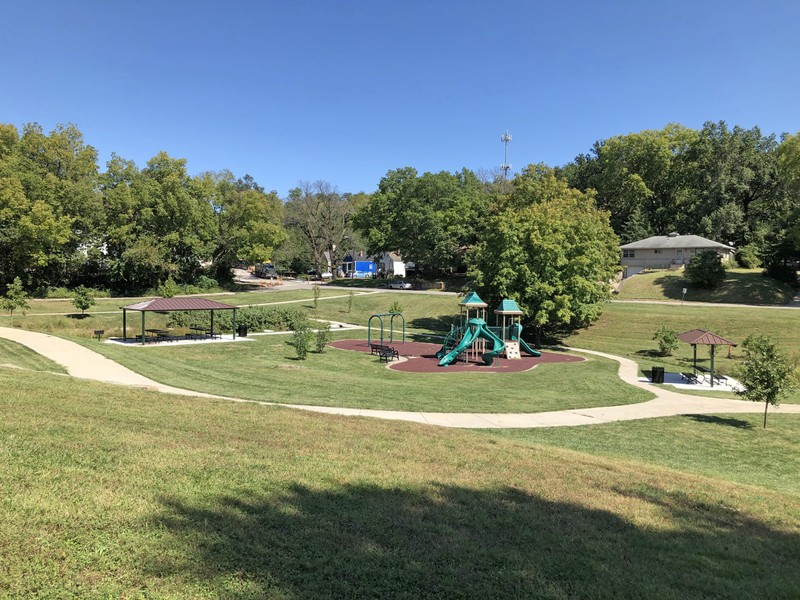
(346, 90)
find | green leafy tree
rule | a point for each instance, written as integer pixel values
(249, 220)
(323, 336)
(547, 246)
(83, 299)
(705, 269)
(15, 299)
(301, 340)
(667, 340)
(430, 219)
(766, 373)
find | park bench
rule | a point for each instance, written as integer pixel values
(388, 354)
(378, 348)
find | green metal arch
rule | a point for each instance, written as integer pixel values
(379, 316)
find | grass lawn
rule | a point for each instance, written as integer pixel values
(626, 329)
(111, 492)
(265, 369)
(741, 286)
(21, 356)
(731, 447)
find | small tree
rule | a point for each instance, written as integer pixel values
(301, 339)
(324, 336)
(350, 296)
(767, 374)
(15, 299)
(667, 340)
(706, 269)
(316, 291)
(396, 307)
(83, 299)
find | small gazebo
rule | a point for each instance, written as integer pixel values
(705, 338)
(174, 305)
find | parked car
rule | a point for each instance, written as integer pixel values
(399, 284)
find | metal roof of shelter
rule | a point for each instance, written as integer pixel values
(698, 336)
(472, 299)
(168, 304)
(673, 240)
(508, 307)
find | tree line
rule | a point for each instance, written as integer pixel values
(64, 222)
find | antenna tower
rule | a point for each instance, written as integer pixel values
(505, 167)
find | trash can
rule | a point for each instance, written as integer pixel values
(241, 331)
(657, 374)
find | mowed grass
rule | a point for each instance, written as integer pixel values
(731, 447)
(111, 492)
(626, 329)
(23, 357)
(741, 286)
(266, 369)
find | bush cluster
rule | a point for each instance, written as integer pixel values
(255, 318)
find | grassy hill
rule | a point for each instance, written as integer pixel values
(110, 492)
(741, 286)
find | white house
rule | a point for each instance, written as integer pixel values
(391, 264)
(664, 251)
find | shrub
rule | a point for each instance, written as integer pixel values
(667, 340)
(396, 307)
(168, 289)
(324, 336)
(301, 340)
(781, 271)
(206, 283)
(705, 269)
(748, 256)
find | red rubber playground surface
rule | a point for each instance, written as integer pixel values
(421, 358)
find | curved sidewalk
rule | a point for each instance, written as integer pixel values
(86, 364)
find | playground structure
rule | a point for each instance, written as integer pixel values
(468, 340)
(383, 340)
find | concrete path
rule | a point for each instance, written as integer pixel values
(86, 364)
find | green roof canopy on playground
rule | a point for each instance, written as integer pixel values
(508, 307)
(472, 300)
(706, 338)
(174, 305)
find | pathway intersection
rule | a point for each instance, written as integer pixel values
(83, 363)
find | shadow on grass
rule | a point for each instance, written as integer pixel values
(650, 353)
(365, 541)
(727, 421)
(77, 316)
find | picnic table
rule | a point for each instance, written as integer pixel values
(202, 332)
(157, 335)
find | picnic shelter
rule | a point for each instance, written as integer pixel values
(706, 338)
(174, 305)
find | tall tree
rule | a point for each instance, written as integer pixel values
(548, 247)
(249, 221)
(323, 219)
(430, 219)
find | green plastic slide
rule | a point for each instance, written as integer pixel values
(476, 329)
(516, 334)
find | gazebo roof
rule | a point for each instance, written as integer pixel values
(472, 299)
(508, 307)
(168, 304)
(699, 336)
